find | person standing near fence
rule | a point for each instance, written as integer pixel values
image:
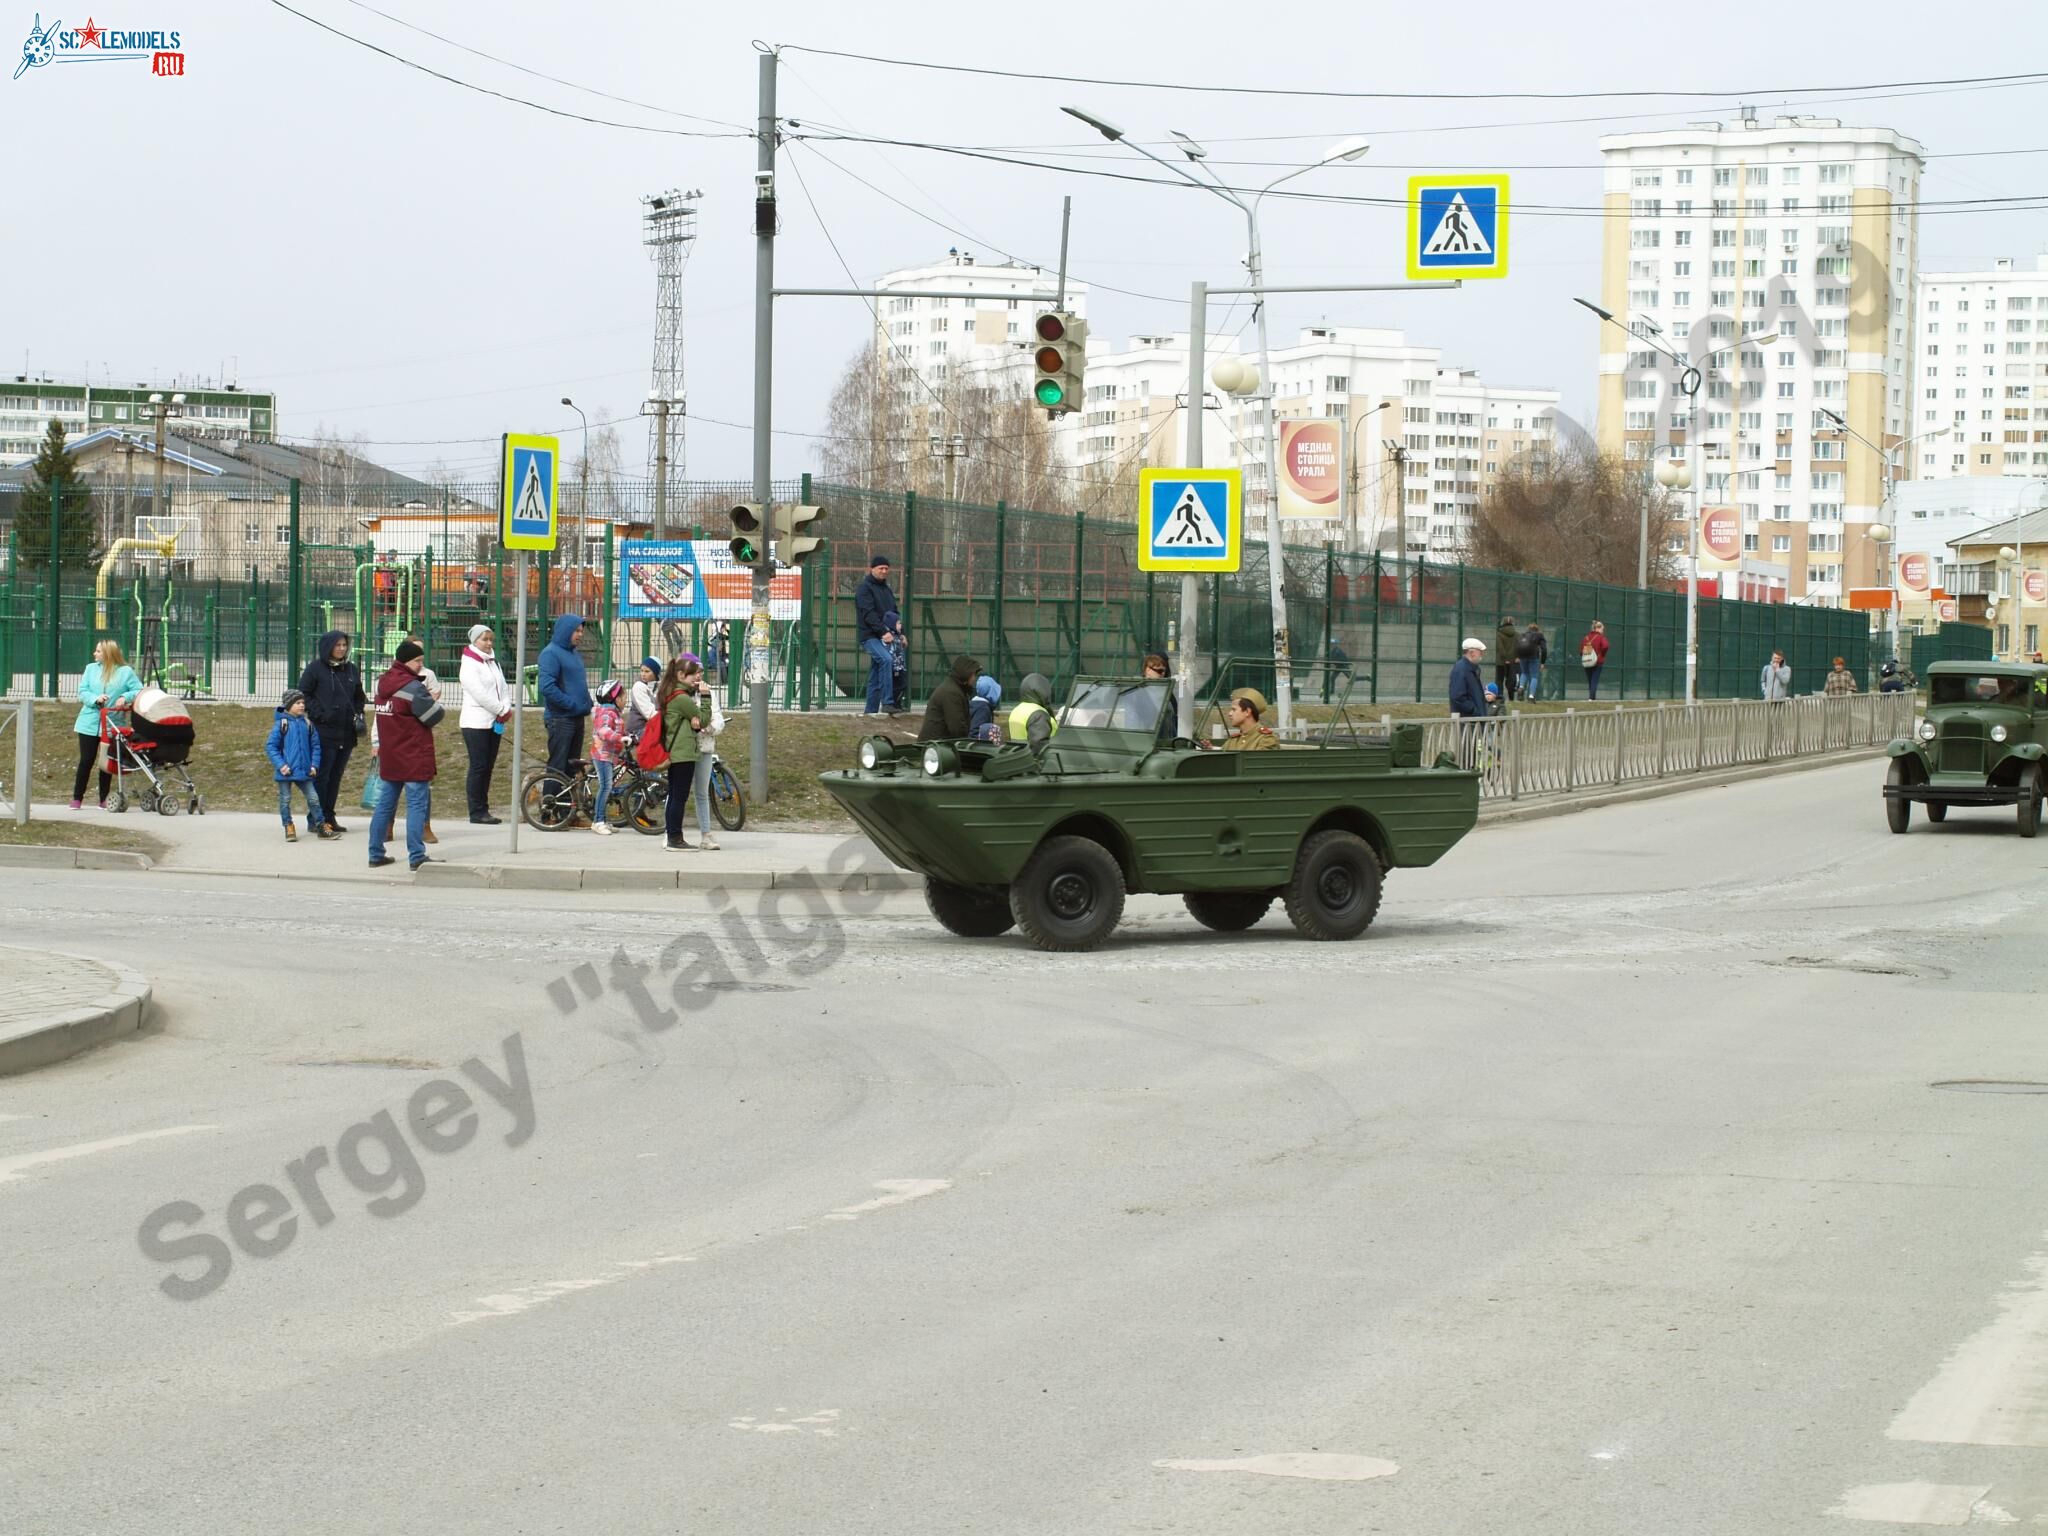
(1841, 681)
(564, 693)
(333, 686)
(1468, 698)
(684, 712)
(108, 683)
(1532, 650)
(486, 708)
(405, 757)
(1776, 681)
(873, 602)
(1506, 639)
(1593, 657)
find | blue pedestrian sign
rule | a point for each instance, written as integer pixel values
(528, 490)
(1190, 519)
(1458, 226)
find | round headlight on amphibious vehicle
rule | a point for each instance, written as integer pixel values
(875, 751)
(1927, 730)
(1998, 733)
(939, 761)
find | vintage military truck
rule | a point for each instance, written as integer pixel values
(1051, 842)
(1981, 742)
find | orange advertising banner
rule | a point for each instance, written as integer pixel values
(1311, 468)
(1879, 598)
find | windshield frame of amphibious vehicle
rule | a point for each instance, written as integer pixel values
(1319, 687)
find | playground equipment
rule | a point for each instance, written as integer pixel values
(166, 548)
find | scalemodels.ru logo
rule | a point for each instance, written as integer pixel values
(93, 43)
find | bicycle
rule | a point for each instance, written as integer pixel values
(549, 802)
(728, 803)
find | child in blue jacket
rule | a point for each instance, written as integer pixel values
(294, 751)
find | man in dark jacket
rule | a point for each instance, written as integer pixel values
(945, 716)
(1504, 642)
(873, 602)
(405, 759)
(333, 686)
(1468, 697)
(564, 693)
(1532, 650)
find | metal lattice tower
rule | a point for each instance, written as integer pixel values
(668, 228)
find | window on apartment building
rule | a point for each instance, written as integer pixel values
(1781, 543)
(1758, 176)
(1788, 205)
(1683, 176)
(1721, 298)
(1991, 303)
(1724, 207)
(1642, 269)
(1781, 482)
(1337, 384)
(1753, 267)
(1681, 297)
(281, 534)
(1682, 207)
(1721, 269)
(1835, 297)
(1720, 328)
(252, 533)
(1755, 208)
(1785, 389)
(1831, 175)
(1643, 298)
(1681, 269)
(1681, 330)
(1681, 237)
(1647, 179)
(1724, 175)
(1415, 388)
(1646, 207)
(1724, 239)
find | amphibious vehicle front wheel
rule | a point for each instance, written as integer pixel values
(2030, 804)
(1069, 895)
(1335, 889)
(1898, 814)
(1937, 811)
(970, 913)
(1227, 911)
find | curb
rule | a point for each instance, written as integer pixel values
(1507, 813)
(34, 856)
(505, 877)
(59, 1036)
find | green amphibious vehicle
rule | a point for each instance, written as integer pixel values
(1051, 842)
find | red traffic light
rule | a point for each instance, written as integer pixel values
(1050, 328)
(1049, 360)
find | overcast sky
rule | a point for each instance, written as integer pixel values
(396, 255)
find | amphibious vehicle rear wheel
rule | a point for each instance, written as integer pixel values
(1228, 911)
(2030, 804)
(1335, 890)
(1937, 811)
(1898, 814)
(1069, 894)
(970, 913)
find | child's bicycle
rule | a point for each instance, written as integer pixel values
(550, 802)
(649, 805)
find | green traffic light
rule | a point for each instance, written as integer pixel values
(744, 552)
(1049, 392)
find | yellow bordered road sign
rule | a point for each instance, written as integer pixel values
(529, 482)
(1190, 519)
(1458, 226)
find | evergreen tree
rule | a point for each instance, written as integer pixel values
(56, 469)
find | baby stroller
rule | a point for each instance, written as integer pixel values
(154, 749)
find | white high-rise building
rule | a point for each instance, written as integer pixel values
(1801, 229)
(1980, 371)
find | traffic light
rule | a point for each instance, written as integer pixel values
(1060, 358)
(796, 532)
(749, 544)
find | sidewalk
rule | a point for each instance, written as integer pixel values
(53, 1006)
(252, 843)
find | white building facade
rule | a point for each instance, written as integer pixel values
(1980, 370)
(1803, 230)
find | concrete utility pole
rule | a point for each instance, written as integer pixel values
(160, 408)
(580, 544)
(760, 651)
(1190, 584)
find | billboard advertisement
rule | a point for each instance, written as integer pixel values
(1311, 468)
(2035, 585)
(1916, 574)
(1945, 610)
(696, 579)
(1720, 538)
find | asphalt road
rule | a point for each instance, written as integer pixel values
(1600, 1189)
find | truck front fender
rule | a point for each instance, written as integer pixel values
(1903, 747)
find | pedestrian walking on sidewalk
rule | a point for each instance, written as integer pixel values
(333, 686)
(1532, 650)
(405, 756)
(486, 711)
(1776, 680)
(685, 711)
(1593, 657)
(293, 748)
(108, 683)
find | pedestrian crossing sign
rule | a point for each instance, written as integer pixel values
(528, 483)
(1457, 226)
(1190, 519)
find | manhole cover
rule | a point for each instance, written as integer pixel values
(1989, 1085)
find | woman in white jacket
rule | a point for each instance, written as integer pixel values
(486, 706)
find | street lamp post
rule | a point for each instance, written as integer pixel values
(583, 512)
(1348, 474)
(1349, 149)
(1884, 530)
(1682, 475)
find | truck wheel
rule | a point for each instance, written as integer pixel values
(968, 912)
(1898, 814)
(1069, 895)
(2030, 804)
(1937, 811)
(1227, 911)
(1334, 892)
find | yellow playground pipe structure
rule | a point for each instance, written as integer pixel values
(167, 547)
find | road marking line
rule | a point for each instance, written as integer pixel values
(14, 1167)
(1912, 1503)
(901, 1192)
(1994, 1389)
(1326, 1466)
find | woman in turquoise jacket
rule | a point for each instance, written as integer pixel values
(109, 683)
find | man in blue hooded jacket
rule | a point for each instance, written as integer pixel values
(564, 693)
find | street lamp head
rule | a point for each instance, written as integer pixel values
(1764, 340)
(1938, 432)
(1107, 130)
(156, 399)
(568, 402)
(1674, 474)
(1188, 146)
(1881, 532)
(177, 399)
(1832, 416)
(2007, 555)
(1347, 149)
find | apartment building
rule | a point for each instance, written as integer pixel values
(1720, 235)
(29, 403)
(1980, 372)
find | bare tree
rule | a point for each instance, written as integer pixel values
(1579, 514)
